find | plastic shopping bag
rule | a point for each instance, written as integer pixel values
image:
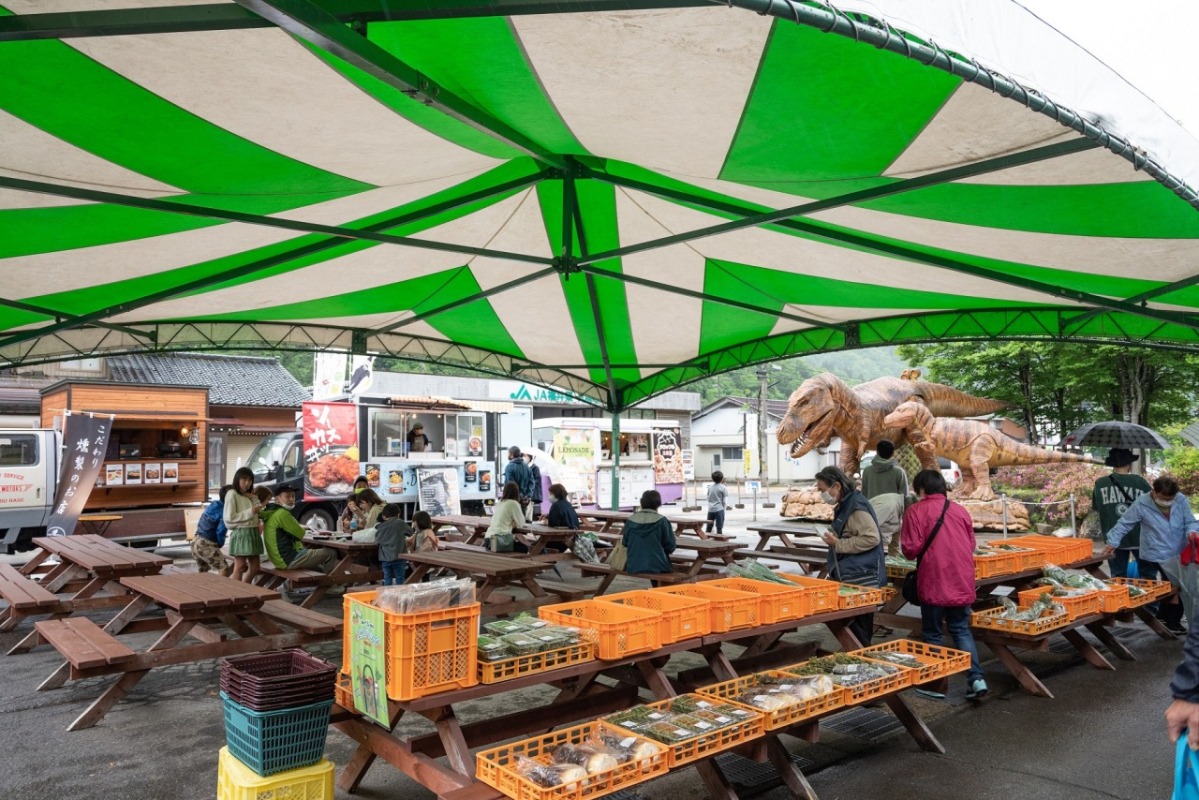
(1186, 771)
(1134, 569)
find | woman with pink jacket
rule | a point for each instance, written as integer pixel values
(945, 579)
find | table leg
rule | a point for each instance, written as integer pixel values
(719, 663)
(262, 622)
(761, 644)
(419, 573)
(1087, 650)
(60, 575)
(913, 723)
(115, 693)
(1153, 623)
(1111, 642)
(448, 730)
(362, 760)
(1019, 671)
(237, 626)
(535, 589)
(793, 779)
(606, 582)
(32, 564)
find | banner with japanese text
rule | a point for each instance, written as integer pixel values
(330, 449)
(85, 440)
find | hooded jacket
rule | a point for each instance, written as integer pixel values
(883, 476)
(649, 537)
(281, 534)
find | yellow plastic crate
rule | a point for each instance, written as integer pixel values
(860, 596)
(1153, 590)
(1077, 606)
(707, 743)
(1114, 599)
(990, 619)
(509, 668)
(876, 687)
(995, 562)
(496, 767)
(236, 781)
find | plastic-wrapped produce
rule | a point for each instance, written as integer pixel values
(570, 776)
(419, 597)
(522, 644)
(492, 648)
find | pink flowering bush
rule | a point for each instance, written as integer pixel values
(1047, 483)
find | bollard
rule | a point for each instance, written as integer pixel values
(1003, 512)
(1073, 518)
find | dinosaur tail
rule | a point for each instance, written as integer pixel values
(1021, 453)
(946, 401)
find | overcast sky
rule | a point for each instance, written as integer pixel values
(1149, 42)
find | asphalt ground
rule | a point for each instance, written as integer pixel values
(1101, 737)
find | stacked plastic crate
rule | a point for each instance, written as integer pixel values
(276, 720)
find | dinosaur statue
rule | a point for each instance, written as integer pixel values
(823, 407)
(976, 446)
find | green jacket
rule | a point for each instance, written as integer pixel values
(649, 536)
(281, 534)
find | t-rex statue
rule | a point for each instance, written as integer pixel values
(823, 407)
(975, 445)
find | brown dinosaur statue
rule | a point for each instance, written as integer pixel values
(975, 445)
(823, 407)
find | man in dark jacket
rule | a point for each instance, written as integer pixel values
(1183, 713)
(518, 472)
(533, 512)
(884, 476)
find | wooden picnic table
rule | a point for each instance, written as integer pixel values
(785, 531)
(581, 697)
(351, 568)
(534, 535)
(84, 579)
(194, 603)
(469, 526)
(98, 524)
(491, 571)
(682, 525)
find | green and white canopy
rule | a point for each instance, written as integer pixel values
(613, 196)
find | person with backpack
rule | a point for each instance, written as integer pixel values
(210, 536)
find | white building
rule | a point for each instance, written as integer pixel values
(722, 432)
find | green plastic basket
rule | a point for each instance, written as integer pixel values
(274, 741)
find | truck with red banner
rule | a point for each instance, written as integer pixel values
(426, 453)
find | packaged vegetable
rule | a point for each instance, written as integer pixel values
(502, 627)
(570, 776)
(522, 644)
(492, 648)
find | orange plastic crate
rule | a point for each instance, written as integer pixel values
(497, 767)
(991, 620)
(428, 652)
(780, 717)
(1026, 557)
(509, 668)
(343, 691)
(618, 630)
(779, 603)
(876, 687)
(730, 609)
(1000, 563)
(1066, 550)
(897, 573)
(1153, 590)
(682, 617)
(937, 661)
(1114, 599)
(822, 594)
(708, 743)
(1079, 606)
(861, 596)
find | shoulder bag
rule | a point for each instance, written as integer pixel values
(619, 557)
(910, 592)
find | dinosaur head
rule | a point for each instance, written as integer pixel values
(812, 412)
(906, 414)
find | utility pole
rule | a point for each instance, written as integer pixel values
(763, 456)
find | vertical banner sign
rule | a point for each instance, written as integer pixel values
(85, 440)
(368, 662)
(668, 457)
(328, 375)
(330, 449)
(438, 491)
(362, 374)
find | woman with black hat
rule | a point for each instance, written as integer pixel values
(1111, 497)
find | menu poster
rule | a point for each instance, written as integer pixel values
(471, 472)
(133, 474)
(438, 490)
(330, 432)
(668, 456)
(395, 481)
(372, 475)
(114, 474)
(484, 480)
(368, 662)
(170, 473)
(152, 473)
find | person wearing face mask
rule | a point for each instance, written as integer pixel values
(282, 535)
(855, 546)
(1166, 521)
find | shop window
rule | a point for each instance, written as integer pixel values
(731, 453)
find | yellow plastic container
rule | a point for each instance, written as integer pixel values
(236, 781)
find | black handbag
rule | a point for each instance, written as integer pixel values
(909, 590)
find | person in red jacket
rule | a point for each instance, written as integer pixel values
(946, 576)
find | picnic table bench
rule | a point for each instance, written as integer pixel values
(195, 604)
(346, 572)
(84, 579)
(579, 697)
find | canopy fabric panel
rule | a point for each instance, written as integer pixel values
(613, 197)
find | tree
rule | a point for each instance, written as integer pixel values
(1056, 387)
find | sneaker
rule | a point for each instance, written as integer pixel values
(1176, 628)
(977, 689)
(930, 694)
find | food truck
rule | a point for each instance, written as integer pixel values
(339, 441)
(651, 457)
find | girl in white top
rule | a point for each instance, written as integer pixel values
(241, 519)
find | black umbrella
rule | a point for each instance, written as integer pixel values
(1116, 433)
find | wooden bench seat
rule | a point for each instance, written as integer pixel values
(23, 593)
(83, 643)
(609, 573)
(567, 592)
(294, 578)
(303, 619)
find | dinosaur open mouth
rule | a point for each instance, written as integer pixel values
(800, 445)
